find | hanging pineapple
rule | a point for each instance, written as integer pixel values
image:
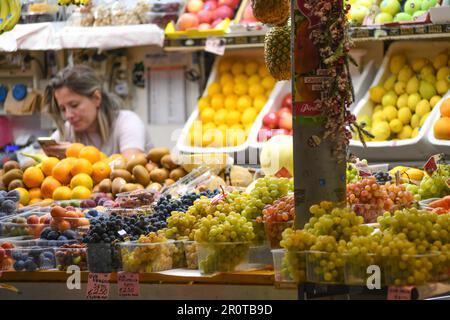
(277, 51)
(274, 12)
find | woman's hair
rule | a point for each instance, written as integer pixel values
(82, 80)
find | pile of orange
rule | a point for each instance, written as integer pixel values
(71, 178)
(442, 126)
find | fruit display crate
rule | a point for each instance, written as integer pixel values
(417, 148)
(419, 31)
(183, 144)
(442, 146)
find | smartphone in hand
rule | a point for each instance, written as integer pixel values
(53, 148)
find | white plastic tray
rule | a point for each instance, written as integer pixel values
(418, 148)
(182, 143)
(442, 146)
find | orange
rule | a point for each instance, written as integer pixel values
(74, 150)
(100, 171)
(82, 179)
(48, 186)
(81, 192)
(61, 172)
(33, 177)
(81, 166)
(442, 128)
(35, 193)
(445, 108)
(70, 160)
(103, 156)
(62, 193)
(48, 164)
(34, 201)
(90, 153)
(63, 225)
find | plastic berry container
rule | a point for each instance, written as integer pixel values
(325, 267)
(71, 255)
(136, 199)
(274, 231)
(32, 258)
(223, 257)
(285, 272)
(191, 254)
(103, 257)
(260, 233)
(26, 224)
(178, 255)
(124, 212)
(358, 268)
(415, 269)
(147, 257)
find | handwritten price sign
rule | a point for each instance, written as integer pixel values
(128, 284)
(98, 286)
(399, 293)
(215, 45)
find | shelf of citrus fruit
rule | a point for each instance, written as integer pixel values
(238, 90)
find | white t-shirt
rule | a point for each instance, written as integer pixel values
(129, 131)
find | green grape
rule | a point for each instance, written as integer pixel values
(221, 257)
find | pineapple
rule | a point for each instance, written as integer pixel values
(277, 51)
(274, 12)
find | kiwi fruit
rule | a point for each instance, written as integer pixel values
(10, 165)
(96, 189)
(14, 174)
(139, 159)
(154, 186)
(155, 155)
(151, 166)
(168, 163)
(121, 173)
(105, 186)
(141, 175)
(159, 175)
(117, 184)
(27, 164)
(177, 173)
(15, 184)
(128, 187)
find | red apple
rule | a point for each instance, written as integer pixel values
(188, 21)
(224, 12)
(283, 111)
(271, 120)
(264, 134)
(194, 6)
(33, 219)
(204, 26)
(278, 132)
(231, 3)
(285, 121)
(210, 5)
(205, 16)
(287, 101)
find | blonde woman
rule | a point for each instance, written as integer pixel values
(85, 113)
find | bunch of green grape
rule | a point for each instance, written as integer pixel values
(352, 173)
(221, 257)
(151, 253)
(181, 226)
(435, 186)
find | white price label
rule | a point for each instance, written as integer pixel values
(215, 45)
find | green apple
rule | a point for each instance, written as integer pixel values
(402, 16)
(427, 4)
(383, 17)
(390, 6)
(412, 6)
(357, 14)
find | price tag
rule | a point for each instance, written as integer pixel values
(122, 233)
(363, 169)
(128, 284)
(431, 166)
(283, 173)
(215, 45)
(98, 286)
(399, 293)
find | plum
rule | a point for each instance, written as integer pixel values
(8, 206)
(13, 195)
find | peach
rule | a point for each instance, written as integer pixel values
(194, 6)
(188, 21)
(224, 12)
(210, 5)
(205, 16)
(230, 3)
(33, 219)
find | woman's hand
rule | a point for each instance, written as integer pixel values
(56, 149)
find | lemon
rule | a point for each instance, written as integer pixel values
(242, 78)
(418, 63)
(435, 100)
(415, 174)
(415, 121)
(376, 94)
(255, 90)
(220, 117)
(82, 179)
(244, 102)
(254, 79)
(240, 89)
(207, 115)
(404, 115)
(381, 130)
(228, 89)
(231, 102)
(412, 86)
(248, 116)
(423, 119)
(263, 71)
(415, 132)
(268, 82)
(225, 65)
(402, 101)
(423, 107)
(397, 62)
(251, 68)
(236, 137)
(196, 126)
(208, 126)
(440, 60)
(81, 192)
(389, 99)
(413, 100)
(237, 68)
(226, 78)
(427, 70)
(237, 126)
(390, 82)
(208, 138)
(62, 193)
(24, 196)
(396, 125)
(378, 107)
(233, 117)
(218, 101)
(405, 133)
(195, 139)
(390, 113)
(213, 89)
(443, 73)
(405, 74)
(259, 102)
(378, 116)
(203, 103)
(430, 78)
(441, 87)
(400, 87)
